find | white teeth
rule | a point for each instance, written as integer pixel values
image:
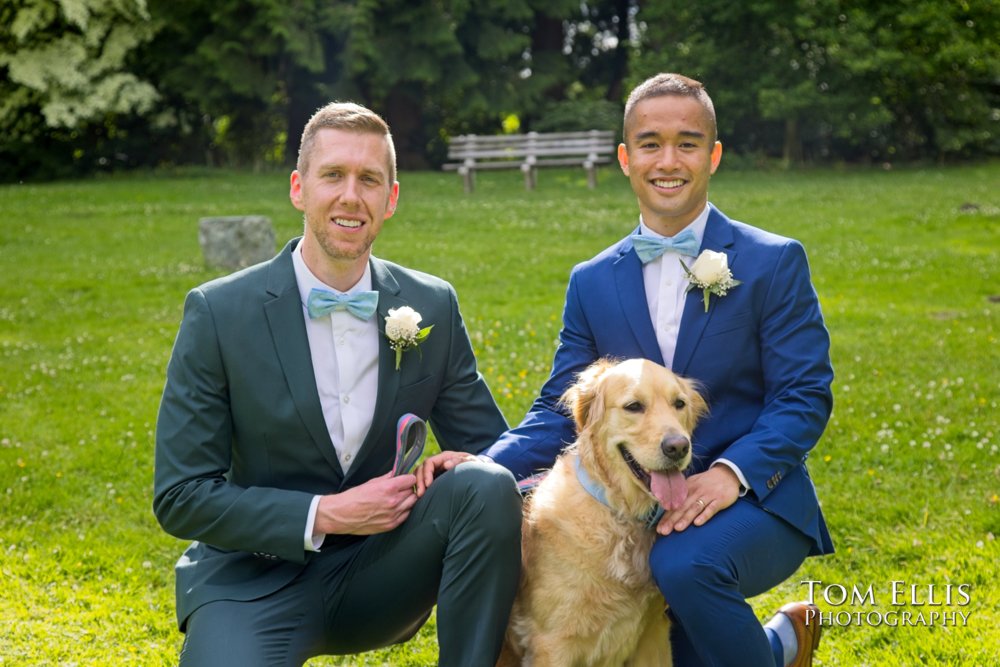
(344, 222)
(676, 183)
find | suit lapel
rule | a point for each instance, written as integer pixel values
(718, 237)
(632, 293)
(291, 344)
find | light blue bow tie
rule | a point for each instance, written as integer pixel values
(650, 247)
(322, 302)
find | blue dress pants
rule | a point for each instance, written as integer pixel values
(706, 574)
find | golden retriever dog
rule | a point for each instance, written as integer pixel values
(586, 596)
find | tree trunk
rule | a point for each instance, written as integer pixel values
(619, 62)
(547, 49)
(792, 153)
(405, 114)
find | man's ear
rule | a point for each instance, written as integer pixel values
(295, 190)
(716, 155)
(393, 200)
(623, 158)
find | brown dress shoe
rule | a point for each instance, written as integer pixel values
(805, 620)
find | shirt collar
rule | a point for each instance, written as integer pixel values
(697, 226)
(307, 281)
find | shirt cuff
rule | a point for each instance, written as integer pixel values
(312, 542)
(744, 485)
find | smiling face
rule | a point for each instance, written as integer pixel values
(669, 156)
(346, 193)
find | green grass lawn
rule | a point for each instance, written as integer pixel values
(92, 279)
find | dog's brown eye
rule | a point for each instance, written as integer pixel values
(634, 406)
(680, 403)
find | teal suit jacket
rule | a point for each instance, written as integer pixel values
(241, 443)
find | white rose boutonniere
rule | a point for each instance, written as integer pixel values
(402, 328)
(710, 273)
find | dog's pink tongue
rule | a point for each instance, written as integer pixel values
(670, 488)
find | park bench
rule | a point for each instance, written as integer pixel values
(470, 153)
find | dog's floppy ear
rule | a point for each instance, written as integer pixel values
(584, 399)
(696, 405)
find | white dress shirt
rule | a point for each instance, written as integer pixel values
(344, 352)
(666, 286)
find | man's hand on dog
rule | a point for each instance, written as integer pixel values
(708, 494)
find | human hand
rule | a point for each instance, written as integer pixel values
(709, 493)
(437, 464)
(377, 506)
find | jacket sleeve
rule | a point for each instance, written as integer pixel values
(796, 370)
(193, 497)
(547, 428)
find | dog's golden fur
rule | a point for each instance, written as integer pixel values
(586, 596)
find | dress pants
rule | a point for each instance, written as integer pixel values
(706, 573)
(459, 548)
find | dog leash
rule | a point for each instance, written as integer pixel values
(411, 436)
(528, 484)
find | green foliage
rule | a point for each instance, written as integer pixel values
(93, 85)
(578, 115)
(94, 276)
(72, 57)
(67, 71)
(853, 79)
(424, 66)
(235, 65)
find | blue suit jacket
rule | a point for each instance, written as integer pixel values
(761, 355)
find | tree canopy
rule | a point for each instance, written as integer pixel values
(87, 85)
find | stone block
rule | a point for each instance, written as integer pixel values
(235, 242)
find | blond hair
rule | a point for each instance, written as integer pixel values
(346, 116)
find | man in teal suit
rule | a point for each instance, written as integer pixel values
(277, 434)
(758, 348)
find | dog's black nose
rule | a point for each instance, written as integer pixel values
(675, 446)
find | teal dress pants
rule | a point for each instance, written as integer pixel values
(460, 548)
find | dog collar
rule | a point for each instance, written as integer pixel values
(596, 491)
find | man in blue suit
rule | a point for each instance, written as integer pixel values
(749, 330)
(277, 435)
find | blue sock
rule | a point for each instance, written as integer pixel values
(776, 648)
(781, 636)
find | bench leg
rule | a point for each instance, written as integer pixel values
(468, 180)
(530, 178)
(592, 176)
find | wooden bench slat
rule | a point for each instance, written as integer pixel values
(514, 155)
(562, 143)
(527, 152)
(604, 134)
